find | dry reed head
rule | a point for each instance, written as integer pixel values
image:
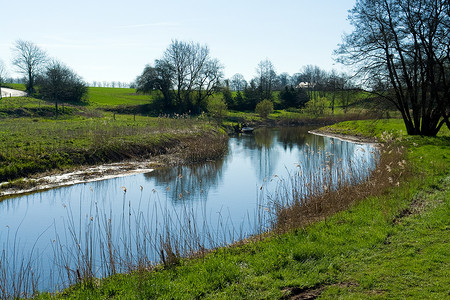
(319, 199)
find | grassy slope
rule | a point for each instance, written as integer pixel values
(390, 246)
(16, 86)
(116, 96)
(33, 141)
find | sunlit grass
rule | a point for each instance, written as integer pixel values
(117, 96)
(29, 146)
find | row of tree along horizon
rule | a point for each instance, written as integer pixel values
(398, 48)
(184, 78)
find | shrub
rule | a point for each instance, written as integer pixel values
(316, 107)
(264, 108)
(217, 109)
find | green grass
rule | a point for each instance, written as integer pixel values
(16, 86)
(18, 107)
(117, 97)
(29, 146)
(376, 128)
(390, 246)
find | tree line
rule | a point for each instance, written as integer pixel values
(186, 76)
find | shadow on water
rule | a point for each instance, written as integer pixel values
(101, 228)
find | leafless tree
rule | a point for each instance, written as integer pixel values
(30, 60)
(3, 75)
(238, 82)
(3, 72)
(284, 80)
(186, 75)
(267, 78)
(58, 83)
(401, 50)
(314, 79)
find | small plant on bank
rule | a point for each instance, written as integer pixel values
(217, 109)
(316, 107)
(264, 108)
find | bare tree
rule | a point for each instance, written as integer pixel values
(284, 80)
(29, 60)
(334, 83)
(158, 78)
(313, 78)
(195, 74)
(3, 72)
(267, 78)
(3, 75)
(401, 50)
(238, 82)
(59, 83)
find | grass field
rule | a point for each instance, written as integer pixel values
(116, 96)
(391, 244)
(16, 86)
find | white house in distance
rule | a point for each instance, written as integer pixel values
(305, 85)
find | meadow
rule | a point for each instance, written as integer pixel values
(114, 124)
(382, 238)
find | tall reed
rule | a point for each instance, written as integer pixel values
(298, 202)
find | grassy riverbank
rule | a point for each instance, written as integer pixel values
(389, 241)
(30, 146)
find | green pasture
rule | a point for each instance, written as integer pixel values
(99, 96)
(16, 86)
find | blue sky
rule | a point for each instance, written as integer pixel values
(114, 40)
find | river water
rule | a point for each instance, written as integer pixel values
(189, 207)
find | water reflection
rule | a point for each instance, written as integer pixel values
(187, 183)
(219, 200)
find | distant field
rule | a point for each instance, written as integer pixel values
(99, 96)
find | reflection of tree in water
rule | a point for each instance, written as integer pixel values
(265, 157)
(337, 158)
(264, 137)
(291, 137)
(188, 183)
(265, 151)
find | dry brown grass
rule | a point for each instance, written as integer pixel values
(318, 200)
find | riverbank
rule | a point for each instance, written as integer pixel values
(349, 138)
(391, 243)
(59, 179)
(49, 153)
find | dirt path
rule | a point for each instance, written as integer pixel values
(6, 92)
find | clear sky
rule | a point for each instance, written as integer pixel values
(114, 40)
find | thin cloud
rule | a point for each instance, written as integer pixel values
(161, 24)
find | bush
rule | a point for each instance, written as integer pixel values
(316, 107)
(264, 108)
(217, 109)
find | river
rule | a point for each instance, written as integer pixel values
(113, 225)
